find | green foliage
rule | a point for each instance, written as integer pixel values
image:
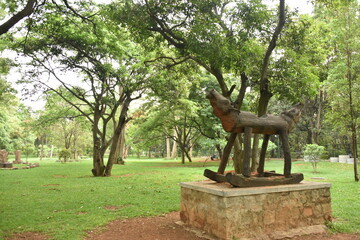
(314, 152)
(28, 150)
(270, 147)
(343, 80)
(64, 154)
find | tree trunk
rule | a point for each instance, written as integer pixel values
(182, 155)
(190, 150)
(168, 149)
(353, 115)
(265, 93)
(120, 150)
(226, 153)
(231, 140)
(255, 153)
(355, 153)
(187, 154)
(41, 151)
(238, 155)
(174, 147)
(219, 150)
(51, 151)
(117, 135)
(98, 160)
(318, 117)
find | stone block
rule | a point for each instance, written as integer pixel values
(255, 213)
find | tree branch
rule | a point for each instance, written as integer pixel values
(27, 11)
(272, 45)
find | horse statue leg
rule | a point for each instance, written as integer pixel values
(247, 151)
(219, 175)
(260, 169)
(287, 156)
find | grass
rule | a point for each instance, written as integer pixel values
(64, 200)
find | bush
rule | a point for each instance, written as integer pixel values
(314, 153)
(65, 154)
(28, 150)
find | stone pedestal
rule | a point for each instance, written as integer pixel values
(17, 157)
(3, 156)
(256, 213)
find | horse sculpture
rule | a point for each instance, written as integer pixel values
(236, 121)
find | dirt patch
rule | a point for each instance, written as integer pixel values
(169, 227)
(124, 175)
(145, 228)
(60, 176)
(81, 213)
(135, 174)
(29, 236)
(165, 227)
(47, 185)
(113, 208)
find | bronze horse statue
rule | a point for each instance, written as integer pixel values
(236, 121)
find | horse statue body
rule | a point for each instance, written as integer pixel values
(236, 121)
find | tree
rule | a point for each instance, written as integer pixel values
(210, 33)
(314, 153)
(104, 59)
(13, 115)
(25, 12)
(66, 129)
(21, 10)
(344, 75)
(170, 119)
(220, 37)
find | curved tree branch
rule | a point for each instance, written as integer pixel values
(27, 11)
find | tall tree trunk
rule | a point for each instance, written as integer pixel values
(117, 134)
(51, 151)
(98, 147)
(227, 149)
(41, 151)
(98, 158)
(265, 93)
(319, 116)
(174, 147)
(238, 155)
(355, 154)
(120, 150)
(182, 155)
(190, 150)
(226, 153)
(255, 153)
(168, 149)
(353, 116)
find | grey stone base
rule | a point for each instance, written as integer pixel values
(273, 212)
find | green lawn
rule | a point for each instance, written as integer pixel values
(64, 200)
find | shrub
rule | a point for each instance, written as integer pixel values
(65, 154)
(314, 153)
